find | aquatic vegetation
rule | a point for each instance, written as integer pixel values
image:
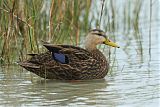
(25, 23)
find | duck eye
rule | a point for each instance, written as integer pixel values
(99, 34)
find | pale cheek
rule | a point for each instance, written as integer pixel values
(100, 41)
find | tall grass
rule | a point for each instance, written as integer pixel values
(24, 23)
(137, 33)
(150, 28)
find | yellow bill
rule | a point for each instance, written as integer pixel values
(110, 43)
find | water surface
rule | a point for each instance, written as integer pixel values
(133, 80)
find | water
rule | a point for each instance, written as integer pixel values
(133, 84)
(134, 80)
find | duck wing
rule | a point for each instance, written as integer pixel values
(66, 54)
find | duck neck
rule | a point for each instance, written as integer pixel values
(90, 44)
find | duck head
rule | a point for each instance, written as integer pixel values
(97, 36)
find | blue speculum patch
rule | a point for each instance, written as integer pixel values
(60, 58)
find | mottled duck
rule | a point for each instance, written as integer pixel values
(67, 62)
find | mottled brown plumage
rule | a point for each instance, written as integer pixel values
(70, 62)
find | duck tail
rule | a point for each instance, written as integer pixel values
(28, 65)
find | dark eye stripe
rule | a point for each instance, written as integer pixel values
(100, 34)
(97, 30)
